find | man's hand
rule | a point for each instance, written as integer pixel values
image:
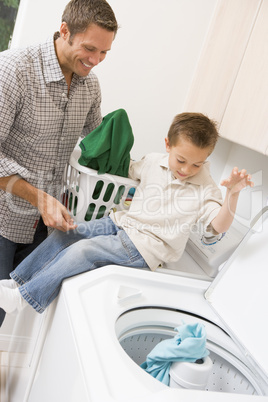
(54, 214)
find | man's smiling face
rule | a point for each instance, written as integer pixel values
(84, 50)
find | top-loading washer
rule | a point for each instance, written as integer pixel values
(108, 320)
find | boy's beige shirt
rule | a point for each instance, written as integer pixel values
(165, 210)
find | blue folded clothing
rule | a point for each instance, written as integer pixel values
(188, 346)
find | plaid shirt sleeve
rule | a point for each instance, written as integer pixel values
(10, 95)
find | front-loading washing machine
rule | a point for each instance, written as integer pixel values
(108, 320)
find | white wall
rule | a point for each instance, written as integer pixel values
(36, 20)
(151, 64)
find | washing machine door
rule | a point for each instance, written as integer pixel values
(239, 295)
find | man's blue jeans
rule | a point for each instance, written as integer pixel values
(92, 245)
(11, 254)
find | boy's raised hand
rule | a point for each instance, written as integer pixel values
(237, 180)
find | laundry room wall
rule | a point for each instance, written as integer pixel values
(152, 63)
(150, 67)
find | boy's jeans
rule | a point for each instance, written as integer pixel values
(92, 245)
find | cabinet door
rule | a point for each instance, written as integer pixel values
(221, 57)
(245, 120)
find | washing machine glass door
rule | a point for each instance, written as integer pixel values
(239, 295)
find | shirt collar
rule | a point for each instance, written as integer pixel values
(197, 179)
(51, 68)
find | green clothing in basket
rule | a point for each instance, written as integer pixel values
(107, 148)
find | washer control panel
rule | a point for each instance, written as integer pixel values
(211, 253)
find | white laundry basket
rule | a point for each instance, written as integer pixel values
(88, 195)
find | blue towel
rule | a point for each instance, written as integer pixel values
(188, 346)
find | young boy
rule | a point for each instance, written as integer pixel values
(175, 193)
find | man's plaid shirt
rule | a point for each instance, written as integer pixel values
(40, 124)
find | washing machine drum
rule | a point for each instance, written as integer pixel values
(140, 330)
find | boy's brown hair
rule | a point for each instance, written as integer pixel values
(195, 127)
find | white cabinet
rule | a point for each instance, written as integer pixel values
(231, 81)
(246, 117)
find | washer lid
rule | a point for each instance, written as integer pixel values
(239, 295)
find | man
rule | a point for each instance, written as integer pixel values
(49, 97)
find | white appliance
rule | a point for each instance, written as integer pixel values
(107, 321)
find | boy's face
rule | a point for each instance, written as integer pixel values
(185, 158)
